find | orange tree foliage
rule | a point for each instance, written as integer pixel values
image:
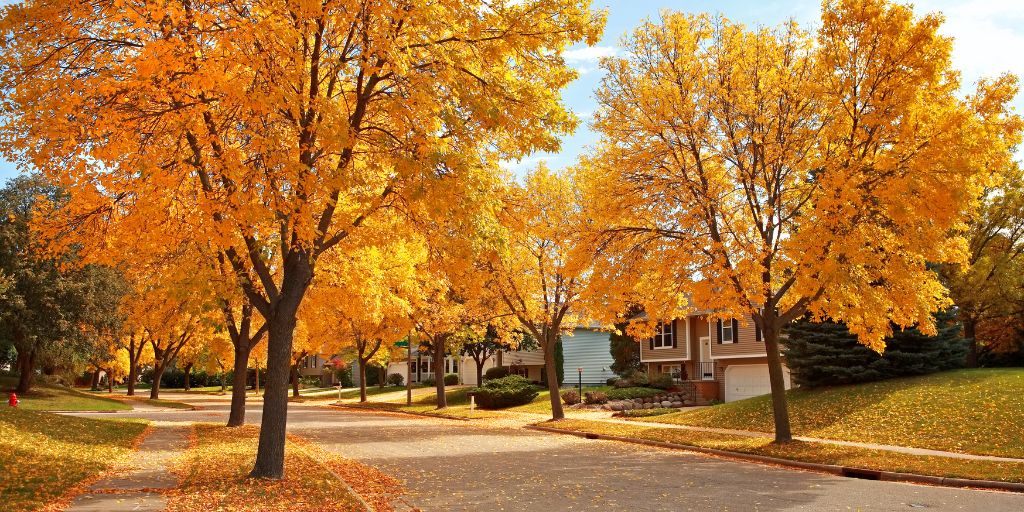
(541, 271)
(362, 299)
(770, 173)
(988, 288)
(272, 130)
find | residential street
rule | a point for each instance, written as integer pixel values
(449, 465)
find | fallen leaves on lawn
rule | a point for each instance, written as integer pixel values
(47, 458)
(213, 475)
(810, 452)
(977, 411)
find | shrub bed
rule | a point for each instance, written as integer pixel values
(505, 392)
(632, 392)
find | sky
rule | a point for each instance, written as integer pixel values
(988, 34)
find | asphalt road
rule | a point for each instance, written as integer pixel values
(453, 466)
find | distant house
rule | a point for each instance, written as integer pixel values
(314, 366)
(723, 360)
(423, 369)
(587, 348)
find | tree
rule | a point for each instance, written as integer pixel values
(483, 347)
(989, 287)
(826, 353)
(766, 174)
(625, 349)
(53, 311)
(539, 274)
(275, 130)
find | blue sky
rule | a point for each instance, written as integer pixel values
(989, 38)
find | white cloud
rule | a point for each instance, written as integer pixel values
(988, 35)
(589, 54)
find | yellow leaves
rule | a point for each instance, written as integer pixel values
(750, 167)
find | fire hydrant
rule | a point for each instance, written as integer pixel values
(13, 400)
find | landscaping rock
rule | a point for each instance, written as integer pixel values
(677, 404)
(666, 403)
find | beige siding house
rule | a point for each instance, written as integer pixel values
(723, 360)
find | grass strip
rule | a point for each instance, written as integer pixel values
(818, 453)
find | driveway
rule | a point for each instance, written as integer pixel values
(449, 465)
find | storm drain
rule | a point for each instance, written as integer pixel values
(863, 474)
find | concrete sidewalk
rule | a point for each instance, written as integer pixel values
(139, 489)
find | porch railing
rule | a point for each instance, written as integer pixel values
(705, 370)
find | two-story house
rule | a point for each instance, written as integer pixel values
(724, 360)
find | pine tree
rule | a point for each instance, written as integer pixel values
(625, 351)
(826, 353)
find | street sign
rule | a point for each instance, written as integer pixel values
(403, 343)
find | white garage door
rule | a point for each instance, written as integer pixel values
(747, 380)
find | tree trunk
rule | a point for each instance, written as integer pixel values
(110, 382)
(382, 377)
(188, 377)
(442, 399)
(239, 383)
(26, 370)
(780, 410)
(94, 383)
(480, 372)
(158, 373)
(551, 374)
(295, 380)
(970, 328)
(281, 327)
(133, 375)
(256, 385)
(362, 380)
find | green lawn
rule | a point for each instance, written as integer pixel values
(166, 404)
(978, 411)
(807, 452)
(57, 398)
(458, 405)
(372, 390)
(542, 404)
(44, 454)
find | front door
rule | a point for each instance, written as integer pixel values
(706, 367)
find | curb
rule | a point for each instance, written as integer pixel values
(397, 411)
(845, 471)
(362, 501)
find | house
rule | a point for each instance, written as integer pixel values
(423, 369)
(318, 366)
(588, 349)
(722, 360)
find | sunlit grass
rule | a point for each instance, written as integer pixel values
(978, 411)
(808, 452)
(43, 454)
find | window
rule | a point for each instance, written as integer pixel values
(727, 331)
(451, 366)
(521, 371)
(662, 336)
(673, 370)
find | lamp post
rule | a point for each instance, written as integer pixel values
(580, 371)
